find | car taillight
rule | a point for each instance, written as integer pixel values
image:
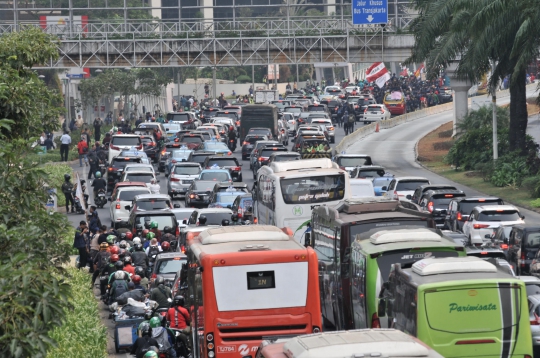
(177, 233)
(522, 258)
(480, 226)
(245, 143)
(237, 169)
(112, 169)
(459, 217)
(504, 246)
(230, 153)
(183, 249)
(430, 206)
(173, 178)
(375, 323)
(118, 205)
(163, 152)
(173, 161)
(261, 159)
(113, 147)
(331, 128)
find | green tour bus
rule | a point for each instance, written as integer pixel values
(461, 307)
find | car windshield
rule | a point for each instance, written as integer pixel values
(441, 201)
(231, 115)
(178, 117)
(380, 182)
(170, 266)
(216, 218)
(316, 109)
(122, 162)
(267, 152)
(374, 109)
(252, 140)
(367, 173)
(225, 162)
(215, 176)
(285, 158)
(315, 189)
(498, 215)
(533, 240)
(183, 215)
(154, 204)
(465, 207)
(186, 170)
(353, 162)
(228, 198)
(263, 131)
(129, 195)
(216, 146)
(139, 169)
(200, 158)
(126, 141)
(410, 185)
(190, 139)
(209, 113)
(180, 154)
(162, 220)
(293, 109)
(142, 177)
(201, 185)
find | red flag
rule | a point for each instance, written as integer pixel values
(377, 73)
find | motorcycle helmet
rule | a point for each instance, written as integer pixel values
(155, 322)
(103, 246)
(147, 317)
(114, 258)
(144, 328)
(138, 227)
(67, 177)
(179, 300)
(160, 280)
(115, 250)
(165, 246)
(127, 260)
(153, 225)
(145, 232)
(150, 354)
(98, 174)
(111, 239)
(150, 236)
(138, 247)
(136, 279)
(122, 254)
(129, 236)
(139, 271)
(123, 236)
(167, 229)
(136, 240)
(119, 265)
(123, 244)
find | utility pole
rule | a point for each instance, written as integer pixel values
(494, 109)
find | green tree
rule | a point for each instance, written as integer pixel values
(33, 293)
(476, 34)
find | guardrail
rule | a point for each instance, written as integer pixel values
(396, 121)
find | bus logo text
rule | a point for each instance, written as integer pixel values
(297, 210)
(226, 349)
(455, 307)
(244, 349)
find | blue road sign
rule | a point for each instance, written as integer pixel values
(367, 12)
(75, 75)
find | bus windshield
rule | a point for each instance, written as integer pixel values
(316, 189)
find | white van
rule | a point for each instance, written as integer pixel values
(362, 188)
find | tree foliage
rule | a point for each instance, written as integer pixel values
(33, 293)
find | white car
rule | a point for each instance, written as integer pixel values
(329, 127)
(140, 167)
(484, 219)
(350, 89)
(376, 112)
(140, 176)
(224, 120)
(399, 188)
(121, 142)
(123, 196)
(181, 177)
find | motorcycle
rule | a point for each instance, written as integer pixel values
(77, 203)
(101, 198)
(232, 145)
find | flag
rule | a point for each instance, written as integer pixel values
(404, 72)
(377, 73)
(418, 71)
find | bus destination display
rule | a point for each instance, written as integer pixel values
(261, 280)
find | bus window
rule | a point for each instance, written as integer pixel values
(358, 268)
(317, 189)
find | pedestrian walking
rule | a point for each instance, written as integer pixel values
(98, 123)
(81, 243)
(65, 141)
(82, 148)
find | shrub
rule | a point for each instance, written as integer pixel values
(81, 334)
(446, 134)
(509, 171)
(535, 203)
(442, 145)
(243, 79)
(530, 184)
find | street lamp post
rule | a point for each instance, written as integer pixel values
(99, 102)
(41, 77)
(66, 100)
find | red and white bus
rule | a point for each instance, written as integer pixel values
(246, 284)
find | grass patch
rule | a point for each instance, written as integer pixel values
(56, 174)
(82, 334)
(433, 160)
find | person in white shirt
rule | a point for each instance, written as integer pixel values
(65, 141)
(153, 186)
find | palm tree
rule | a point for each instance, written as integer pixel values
(477, 34)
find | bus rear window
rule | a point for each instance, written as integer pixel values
(410, 185)
(126, 141)
(266, 286)
(494, 215)
(469, 310)
(316, 189)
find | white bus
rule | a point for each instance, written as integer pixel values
(286, 192)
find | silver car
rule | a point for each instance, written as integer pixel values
(329, 128)
(181, 177)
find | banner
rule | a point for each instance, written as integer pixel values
(79, 193)
(418, 71)
(377, 73)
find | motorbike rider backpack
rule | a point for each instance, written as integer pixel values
(120, 287)
(152, 253)
(351, 118)
(103, 260)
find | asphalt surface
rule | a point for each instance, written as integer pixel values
(392, 148)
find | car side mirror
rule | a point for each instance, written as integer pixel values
(127, 207)
(384, 188)
(109, 199)
(409, 197)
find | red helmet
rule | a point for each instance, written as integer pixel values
(129, 236)
(144, 232)
(166, 246)
(114, 250)
(136, 279)
(114, 258)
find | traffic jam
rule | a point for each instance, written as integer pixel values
(270, 243)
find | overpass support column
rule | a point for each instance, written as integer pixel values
(461, 100)
(331, 10)
(208, 11)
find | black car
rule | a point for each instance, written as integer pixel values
(198, 194)
(523, 247)
(208, 113)
(460, 209)
(249, 143)
(150, 146)
(191, 140)
(263, 154)
(162, 217)
(228, 162)
(167, 264)
(283, 157)
(415, 198)
(333, 107)
(116, 170)
(199, 156)
(436, 203)
(165, 153)
(261, 132)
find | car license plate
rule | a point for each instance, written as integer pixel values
(393, 105)
(188, 181)
(120, 169)
(219, 154)
(374, 113)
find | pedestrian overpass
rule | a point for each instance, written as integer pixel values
(242, 43)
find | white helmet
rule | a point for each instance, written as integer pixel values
(136, 240)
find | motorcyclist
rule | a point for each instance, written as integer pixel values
(152, 251)
(139, 258)
(232, 137)
(136, 279)
(119, 284)
(67, 189)
(161, 294)
(155, 230)
(167, 235)
(140, 348)
(150, 354)
(98, 184)
(128, 267)
(166, 247)
(153, 186)
(136, 240)
(139, 271)
(161, 335)
(179, 319)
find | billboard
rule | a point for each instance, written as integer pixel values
(60, 24)
(271, 70)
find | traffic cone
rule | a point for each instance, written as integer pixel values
(377, 128)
